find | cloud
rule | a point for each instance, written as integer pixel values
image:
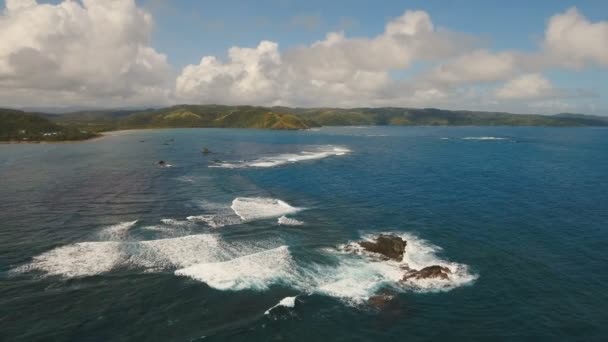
(93, 52)
(527, 86)
(99, 53)
(477, 66)
(250, 76)
(572, 40)
(337, 70)
(359, 71)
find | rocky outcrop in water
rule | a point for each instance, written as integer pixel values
(430, 272)
(389, 246)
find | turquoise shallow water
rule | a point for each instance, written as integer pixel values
(521, 213)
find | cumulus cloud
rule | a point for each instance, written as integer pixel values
(337, 70)
(359, 71)
(525, 87)
(90, 52)
(250, 76)
(477, 66)
(572, 40)
(99, 53)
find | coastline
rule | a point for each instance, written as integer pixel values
(16, 142)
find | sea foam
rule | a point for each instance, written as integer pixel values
(255, 271)
(419, 254)
(286, 221)
(352, 274)
(116, 232)
(287, 302)
(484, 138)
(253, 208)
(286, 158)
(92, 258)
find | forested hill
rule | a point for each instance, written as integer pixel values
(18, 125)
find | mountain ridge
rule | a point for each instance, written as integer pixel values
(85, 124)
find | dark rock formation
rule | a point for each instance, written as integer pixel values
(389, 246)
(430, 272)
(161, 163)
(205, 150)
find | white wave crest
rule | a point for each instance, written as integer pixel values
(358, 279)
(77, 260)
(256, 271)
(92, 258)
(253, 208)
(484, 138)
(175, 223)
(286, 221)
(287, 158)
(116, 232)
(351, 277)
(215, 221)
(287, 302)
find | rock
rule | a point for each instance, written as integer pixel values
(430, 272)
(379, 301)
(205, 150)
(161, 163)
(390, 246)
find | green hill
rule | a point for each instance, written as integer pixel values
(440, 117)
(23, 126)
(215, 116)
(16, 125)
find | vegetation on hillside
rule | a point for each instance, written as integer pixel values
(21, 126)
(16, 125)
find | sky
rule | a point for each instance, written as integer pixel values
(519, 56)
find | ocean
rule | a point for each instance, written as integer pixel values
(257, 240)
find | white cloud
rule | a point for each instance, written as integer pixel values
(477, 66)
(572, 40)
(99, 53)
(94, 52)
(250, 76)
(527, 86)
(335, 71)
(358, 71)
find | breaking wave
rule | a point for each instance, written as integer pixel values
(484, 138)
(93, 258)
(256, 271)
(286, 221)
(116, 232)
(216, 220)
(252, 208)
(419, 254)
(287, 158)
(287, 302)
(351, 274)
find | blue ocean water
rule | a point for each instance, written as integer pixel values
(100, 243)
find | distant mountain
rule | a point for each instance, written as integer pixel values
(591, 120)
(440, 117)
(77, 125)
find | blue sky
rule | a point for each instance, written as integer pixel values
(540, 77)
(188, 29)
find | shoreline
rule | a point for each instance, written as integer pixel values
(101, 135)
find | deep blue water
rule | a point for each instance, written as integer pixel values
(526, 216)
